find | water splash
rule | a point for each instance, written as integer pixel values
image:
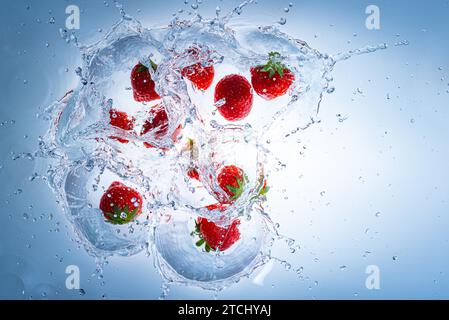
(82, 160)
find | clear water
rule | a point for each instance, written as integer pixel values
(83, 161)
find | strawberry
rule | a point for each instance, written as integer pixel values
(200, 76)
(120, 204)
(234, 97)
(215, 237)
(262, 191)
(217, 206)
(232, 180)
(191, 149)
(158, 124)
(121, 120)
(273, 79)
(142, 84)
(193, 173)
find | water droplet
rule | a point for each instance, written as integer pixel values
(282, 21)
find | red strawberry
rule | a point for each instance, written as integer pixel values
(234, 97)
(142, 84)
(217, 206)
(232, 180)
(121, 120)
(120, 204)
(158, 124)
(215, 237)
(192, 173)
(273, 79)
(200, 76)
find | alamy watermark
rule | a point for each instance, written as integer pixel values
(73, 20)
(72, 282)
(372, 22)
(372, 282)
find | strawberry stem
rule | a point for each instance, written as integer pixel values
(144, 68)
(274, 65)
(237, 191)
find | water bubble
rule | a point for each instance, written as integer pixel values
(282, 21)
(33, 177)
(194, 6)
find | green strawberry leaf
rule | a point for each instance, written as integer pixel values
(143, 68)
(153, 65)
(274, 65)
(264, 191)
(121, 216)
(200, 242)
(237, 191)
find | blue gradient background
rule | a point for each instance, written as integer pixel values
(389, 156)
